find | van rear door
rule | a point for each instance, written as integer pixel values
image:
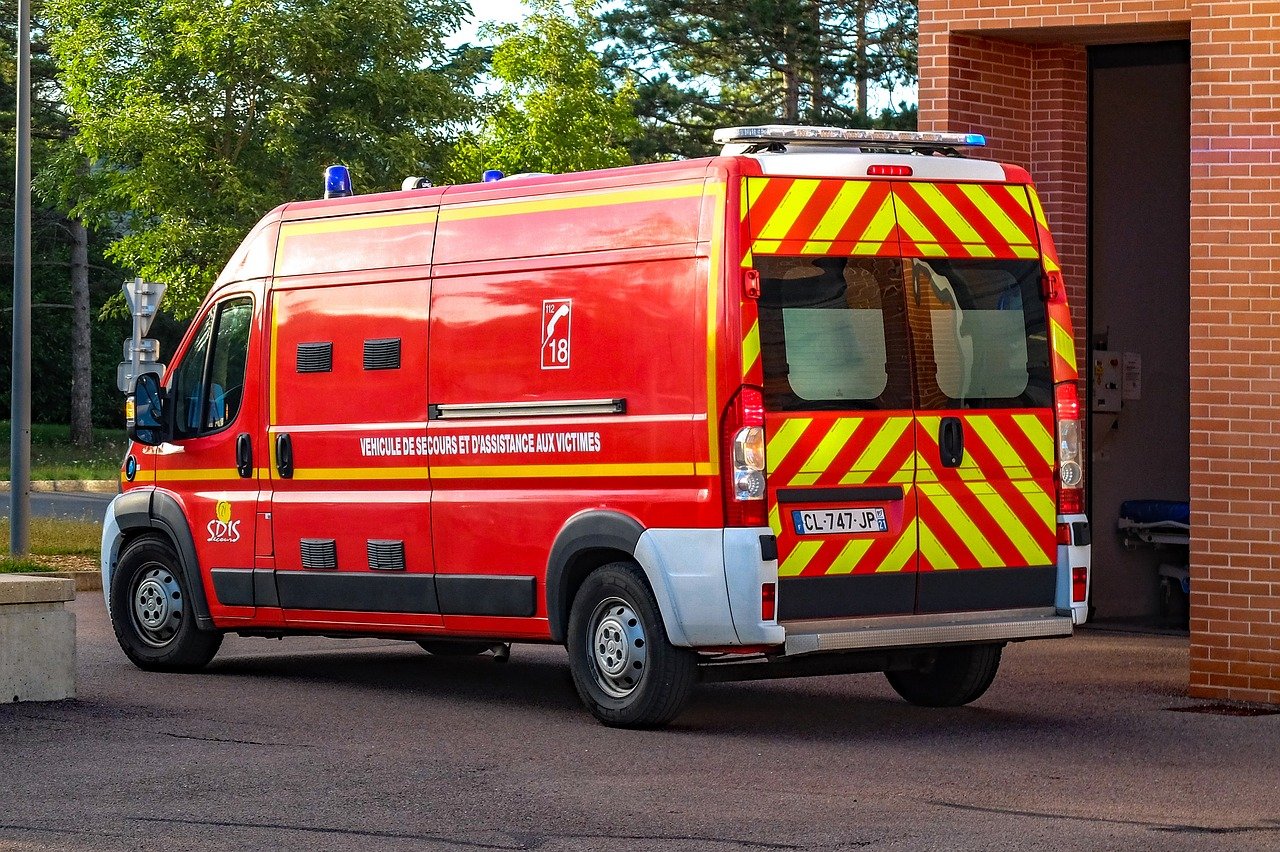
(984, 396)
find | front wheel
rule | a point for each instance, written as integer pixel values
(151, 610)
(954, 677)
(626, 671)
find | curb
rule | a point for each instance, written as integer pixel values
(79, 486)
(86, 581)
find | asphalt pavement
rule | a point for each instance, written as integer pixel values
(59, 504)
(313, 743)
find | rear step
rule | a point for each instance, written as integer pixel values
(809, 637)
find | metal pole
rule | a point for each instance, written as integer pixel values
(20, 417)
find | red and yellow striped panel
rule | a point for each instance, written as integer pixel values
(831, 451)
(997, 508)
(795, 216)
(965, 220)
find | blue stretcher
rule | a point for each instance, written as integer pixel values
(1158, 522)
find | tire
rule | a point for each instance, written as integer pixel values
(955, 677)
(453, 647)
(151, 610)
(625, 670)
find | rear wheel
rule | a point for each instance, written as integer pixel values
(625, 670)
(151, 610)
(954, 677)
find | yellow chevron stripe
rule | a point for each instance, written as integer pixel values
(784, 218)
(999, 446)
(981, 197)
(766, 246)
(947, 212)
(850, 556)
(1042, 503)
(1010, 525)
(924, 471)
(880, 445)
(932, 550)
(1038, 434)
(880, 227)
(913, 227)
(755, 188)
(1037, 210)
(1028, 252)
(900, 557)
(823, 454)
(751, 348)
(842, 207)
(1063, 345)
(775, 520)
(799, 558)
(781, 443)
(954, 516)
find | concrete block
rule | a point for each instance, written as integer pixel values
(37, 639)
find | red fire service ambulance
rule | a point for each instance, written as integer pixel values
(808, 407)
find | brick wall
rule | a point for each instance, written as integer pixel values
(1016, 71)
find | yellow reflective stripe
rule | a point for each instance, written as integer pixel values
(319, 474)
(880, 227)
(581, 201)
(1063, 345)
(822, 456)
(716, 192)
(924, 471)
(913, 227)
(996, 443)
(784, 218)
(901, 554)
(556, 471)
(199, 475)
(850, 555)
(879, 447)
(273, 356)
(357, 222)
(1037, 433)
(775, 521)
(841, 209)
(750, 348)
(1036, 210)
(933, 551)
(766, 246)
(954, 516)
(781, 443)
(1029, 252)
(947, 212)
(1012, 527)
(1042, 504)
(995, 214)
(754, 189)
(800, 557)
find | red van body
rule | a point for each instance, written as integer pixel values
(762, 412)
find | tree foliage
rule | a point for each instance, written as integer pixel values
(553, 107)
(198, 116)
(699, 64)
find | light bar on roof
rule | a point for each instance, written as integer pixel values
(797, 133)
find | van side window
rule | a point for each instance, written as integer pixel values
(980, 334)
(833, 333)
(208, 385)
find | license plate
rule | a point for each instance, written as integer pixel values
(838, 521)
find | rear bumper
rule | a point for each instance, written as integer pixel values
(906, 631)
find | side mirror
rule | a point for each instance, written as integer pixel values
(147, 425)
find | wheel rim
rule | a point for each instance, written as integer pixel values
(157, 606)
(618, 649)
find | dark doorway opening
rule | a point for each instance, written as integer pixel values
(1139, 319)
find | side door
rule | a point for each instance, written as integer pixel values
(984, 423)
(212, 465)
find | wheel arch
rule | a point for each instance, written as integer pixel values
(139, 513)
(587, 541)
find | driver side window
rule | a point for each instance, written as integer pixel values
(208, 385)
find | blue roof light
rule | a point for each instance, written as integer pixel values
(337, 182)
(977, 140)
(490, 175)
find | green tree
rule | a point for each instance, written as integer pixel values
(699, 64)
(196, 117)
(553, 108)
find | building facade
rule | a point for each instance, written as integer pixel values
(1152, 128)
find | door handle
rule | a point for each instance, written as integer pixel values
(244, 455)
(284, 455)
(951, 441)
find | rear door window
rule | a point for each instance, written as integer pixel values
(833, 333)
(980, 334)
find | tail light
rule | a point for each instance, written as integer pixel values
(1079, 583)
(1070, 472)
(744, 483)
(768, 601)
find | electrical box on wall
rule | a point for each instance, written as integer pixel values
(1106, 373)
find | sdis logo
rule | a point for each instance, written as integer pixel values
(224, 530)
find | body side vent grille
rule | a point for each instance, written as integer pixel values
(382, 354)
(319, 553)
(386, 554)
(315, 357)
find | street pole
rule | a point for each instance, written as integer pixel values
(20, 416)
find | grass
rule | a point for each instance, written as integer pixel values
(58, 537)
(53, 456)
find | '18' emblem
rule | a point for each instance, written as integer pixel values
(557, 316)
(224, 530)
